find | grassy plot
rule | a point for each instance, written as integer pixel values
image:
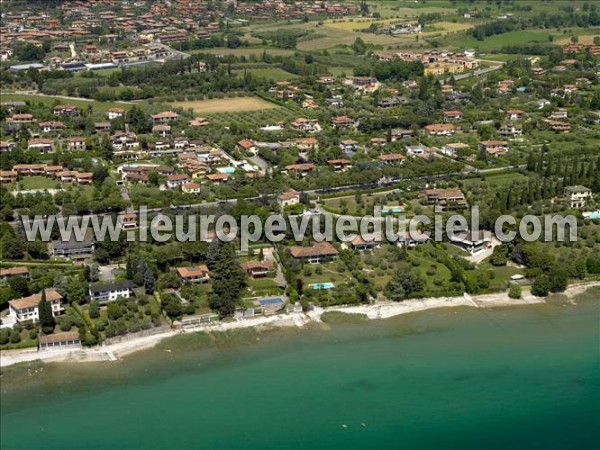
(272, 73)
(497, 42)
(30, 183)
(252, 118)
(499, 178)
(223, 105)
(348, 204)
(51, 100)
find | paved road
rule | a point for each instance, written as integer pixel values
(462, 76)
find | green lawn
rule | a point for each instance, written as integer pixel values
(262, 287)
(501, 275)
(28, 183)
(329, 273)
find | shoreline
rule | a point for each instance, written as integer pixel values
(383, 310)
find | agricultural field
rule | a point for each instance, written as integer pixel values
(247, 51)
(499, 41)
(225, 105)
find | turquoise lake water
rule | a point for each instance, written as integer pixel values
(508, 378)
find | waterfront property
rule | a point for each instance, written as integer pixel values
(257, 269)
(26, 308)
(317, 253)
(109, 292)
(57, 341)
(195, 274)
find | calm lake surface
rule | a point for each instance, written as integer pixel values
(518, 378)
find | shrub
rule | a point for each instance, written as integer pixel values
(15, 337)
(515, 291)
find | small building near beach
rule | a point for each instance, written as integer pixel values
(57, 341)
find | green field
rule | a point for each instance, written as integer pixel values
(247, 51)
(499, 41)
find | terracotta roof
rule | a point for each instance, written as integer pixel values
(60, 337)
(300, 167)
(318, 249)
(21, 270)
(493, 143)
(192, 272)
(246, 144)
(33, 300)
(178, 177)
(250, 265)
(217, 176)
(391, 157)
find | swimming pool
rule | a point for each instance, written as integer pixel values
(270, 301)
(319, 286)
(228, 170)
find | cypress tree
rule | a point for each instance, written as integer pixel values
(46, 318)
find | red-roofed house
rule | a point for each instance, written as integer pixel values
(195, 274)
(316, 253)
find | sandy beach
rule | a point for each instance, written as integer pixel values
(382, 310)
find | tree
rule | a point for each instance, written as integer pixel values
(153, 178)
(404, 283)
(541, 286)
(12, 246)
(113, 310)
(359, 46)
(46, 318)
(100, 172)
(228, 280)
(559, 280)
(19, 286)
(30, 52)
(75, 291)
(499, 256)
(172, 306)
(94, 310)
(149, 281)
(106, 149)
